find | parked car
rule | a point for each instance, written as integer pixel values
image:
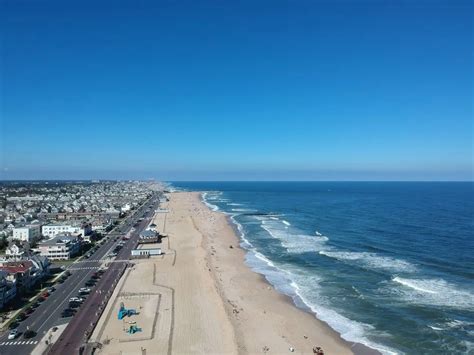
(68, 312)
(84, 290)
(90, 283)
(76, 299)
(40, 299)
(21, 317)
(73, 304)
(29, 310)
(29, 334)
(13, 334)
(51, 289)
(13, 325)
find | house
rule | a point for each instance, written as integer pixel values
(7, 289)
(60, 247)
(41, 266)
(14, 252)
(19, 272)
(125, 208)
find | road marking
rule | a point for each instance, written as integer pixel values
(19, 342)
(65, 298)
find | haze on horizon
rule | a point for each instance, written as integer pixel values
(248, 90)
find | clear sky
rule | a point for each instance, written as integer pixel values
(237, 90)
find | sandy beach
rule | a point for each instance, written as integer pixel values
(200, 297)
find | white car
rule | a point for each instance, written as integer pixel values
(85, 290)
(12, 335)
(76, 299)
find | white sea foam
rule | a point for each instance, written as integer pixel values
(371, 260)
(243, 210)
(286, 223)
(245, 242)
(206, 198)
(433, 292)
(292, 240)
(234, 204)
(304, 289)
(350, 330)
(459, 324)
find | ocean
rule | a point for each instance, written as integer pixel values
(386, 264)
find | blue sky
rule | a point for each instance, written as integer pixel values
(242, 90)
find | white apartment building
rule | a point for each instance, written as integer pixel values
(27, 233)
(60, 247)
(51, 230)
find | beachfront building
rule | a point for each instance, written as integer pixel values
(149, 236)
(145, 253)
(27, 233)
(60, 247)
(51, 230)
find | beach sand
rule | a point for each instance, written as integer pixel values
(200, 297)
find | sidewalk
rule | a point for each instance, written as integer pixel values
(49, 338)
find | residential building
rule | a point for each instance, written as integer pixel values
(51, 230)
(14, 252)
(19, 272)
(27, 233)
(41, 266)
(7, 289)
(60, 247)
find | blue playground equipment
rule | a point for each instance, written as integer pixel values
(133, 329)
(123, 312)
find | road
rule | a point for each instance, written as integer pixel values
(48, 314)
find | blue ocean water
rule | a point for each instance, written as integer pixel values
(386, 264)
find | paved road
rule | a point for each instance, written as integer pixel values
(81, 326)
(48, 314)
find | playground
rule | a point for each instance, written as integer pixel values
(179, 310)
(132, 317)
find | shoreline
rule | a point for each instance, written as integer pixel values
(249, 291)
(199, 296)
(356, 347)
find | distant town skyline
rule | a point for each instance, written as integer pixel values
(280, 90)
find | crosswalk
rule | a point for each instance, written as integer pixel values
(104, 259)
(19, 342)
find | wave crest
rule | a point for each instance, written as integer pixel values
(371, 260)
(434, 292)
